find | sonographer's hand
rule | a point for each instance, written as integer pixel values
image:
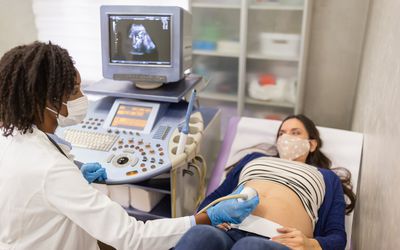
(93, 171)
(232, 211)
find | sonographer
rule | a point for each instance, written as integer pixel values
(45, 203)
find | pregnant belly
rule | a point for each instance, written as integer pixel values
(280, 204)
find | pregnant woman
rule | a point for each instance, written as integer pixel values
(302, 203)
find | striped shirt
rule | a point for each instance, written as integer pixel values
(304, 180)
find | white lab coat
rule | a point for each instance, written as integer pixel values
(45, 203)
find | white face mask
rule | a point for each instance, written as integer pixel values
(291, 147)
(77, 110)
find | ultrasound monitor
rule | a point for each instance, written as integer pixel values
(148, 45)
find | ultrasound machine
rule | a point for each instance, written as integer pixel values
(136, 113)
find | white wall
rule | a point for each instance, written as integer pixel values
(377, 221)
(337, 33)
(16, 24)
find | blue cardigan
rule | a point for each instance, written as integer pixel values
(329, 230)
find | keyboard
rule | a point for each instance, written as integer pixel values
(90, 139)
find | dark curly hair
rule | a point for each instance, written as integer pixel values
(30, 76)
(319, 159)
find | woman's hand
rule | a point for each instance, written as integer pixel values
(224, 226)
(295, 239)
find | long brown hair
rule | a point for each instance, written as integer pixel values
(319, 159)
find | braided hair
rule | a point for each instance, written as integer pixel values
(319, 159)
(31, 77)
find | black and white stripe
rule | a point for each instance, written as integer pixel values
(305, 180)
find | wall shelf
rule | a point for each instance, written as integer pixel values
(214, 53)
(275, 7)
(215, 5)
(281, 104)
(255, 55)
(218, 96)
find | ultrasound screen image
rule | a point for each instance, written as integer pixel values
(140, 39)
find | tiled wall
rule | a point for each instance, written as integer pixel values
(377, 115)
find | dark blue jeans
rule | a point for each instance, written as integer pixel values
(211, 238)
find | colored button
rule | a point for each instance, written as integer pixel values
(131, 173)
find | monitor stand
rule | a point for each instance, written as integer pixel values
(148, 85)
(170, 92)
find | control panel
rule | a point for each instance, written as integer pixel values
(133, 140)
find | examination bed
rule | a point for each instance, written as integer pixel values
(344, 148)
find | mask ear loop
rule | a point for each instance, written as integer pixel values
(52, 111)
(57, 113)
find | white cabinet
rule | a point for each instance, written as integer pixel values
(254, 54)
